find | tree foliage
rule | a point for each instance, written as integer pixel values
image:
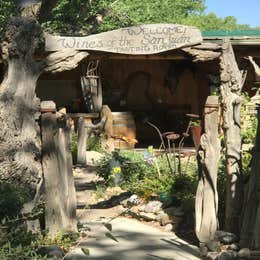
(7, 8)
(211, 22)
(81, 17)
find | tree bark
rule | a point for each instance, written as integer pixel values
(206, 205)
(232, 81)
(250, 231)
(20, 149)
(20, 143)
(60, 210)
(256, 68)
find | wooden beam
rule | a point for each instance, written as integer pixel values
(164, 56)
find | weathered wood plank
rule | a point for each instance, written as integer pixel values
(136, 40)
(206, 205)
(63, 60)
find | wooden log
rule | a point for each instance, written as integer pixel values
(199, 55)
(256, 68)
(232, 81)
(206, 205)
(60, 210)
(82, 139)
(250, 231)
(63, 60)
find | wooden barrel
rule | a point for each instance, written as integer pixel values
(123, 128)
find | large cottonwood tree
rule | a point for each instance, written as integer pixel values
(20, 142)
(86, 17)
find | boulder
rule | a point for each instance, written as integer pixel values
(132, 201)
(51, 251)
(147, 216)
(164, 219)
(153, 206)
(244, 253)
(92, 157)
(168, 227)
(234, 247)
(211, 256)
(225, 237)
(228, 255)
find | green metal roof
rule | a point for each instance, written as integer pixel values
(231, 33)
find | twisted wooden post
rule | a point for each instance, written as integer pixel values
(206, 205)
(232, 81)
(60, 210)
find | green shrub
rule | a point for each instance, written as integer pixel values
(17, 243)
(146, 179)
(12, 199)
(94, 143)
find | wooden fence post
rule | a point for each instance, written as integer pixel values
(232, 81)
(60, 212)
(206, 205)
(82, 139)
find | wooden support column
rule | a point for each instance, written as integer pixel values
(232, 81)
(60, 210)
(82, 139)
(206, 205)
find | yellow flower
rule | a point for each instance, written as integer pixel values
(116, 170)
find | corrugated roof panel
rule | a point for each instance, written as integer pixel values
(231, 33)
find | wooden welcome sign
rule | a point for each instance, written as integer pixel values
(136, 40)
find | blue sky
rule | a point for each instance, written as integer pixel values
(246, 11)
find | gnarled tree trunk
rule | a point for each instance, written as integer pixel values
(232, 80)
(19, 133)
(20, 145)
(206, 206)
(250, 231)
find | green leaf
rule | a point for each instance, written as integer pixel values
(108, 226)
(85, 251)
(109, 235)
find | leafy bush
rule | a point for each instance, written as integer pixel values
(17, 243)
(64, 240)
(94, 143)
(144, 178)
(12, 199)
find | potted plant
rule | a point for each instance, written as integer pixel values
(195, 128)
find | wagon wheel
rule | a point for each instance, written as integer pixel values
(91, 87)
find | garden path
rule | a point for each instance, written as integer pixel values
(136, 240)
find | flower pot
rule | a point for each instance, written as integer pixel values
(196, 134)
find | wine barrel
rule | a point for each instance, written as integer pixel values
(123, 128)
